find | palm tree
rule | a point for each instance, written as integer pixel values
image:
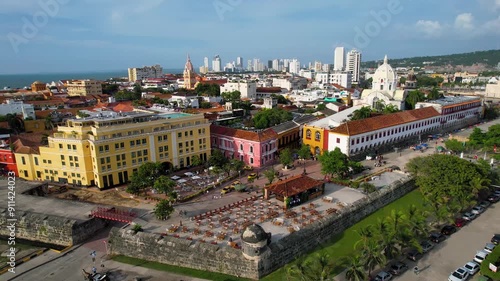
(362, 113)
(477, 184)
(355, 268)
(299, 270)
(322, 267)
(366, 233)
(373, 256)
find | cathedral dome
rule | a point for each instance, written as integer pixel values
(189, 65)
(384, 79)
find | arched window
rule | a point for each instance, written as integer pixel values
(317, 136)
(308, 134)
(241, 147)
(251, 149)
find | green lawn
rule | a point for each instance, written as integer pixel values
(178, 270)
(343, 244)
(340, 246)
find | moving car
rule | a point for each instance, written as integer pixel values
(477, 210)
(495, 239)
(489, 247)
(469, 216)
(414, 255)
(480, 256)
(471, 267)
(461, 274)
(383, 276)
(226, 189)
(426, 246)
(252, 176)
(398, 268)
(448, 230)
(437, 237)
(460, 222)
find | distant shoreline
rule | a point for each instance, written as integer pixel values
(15, 81)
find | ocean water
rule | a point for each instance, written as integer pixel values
(15, 81)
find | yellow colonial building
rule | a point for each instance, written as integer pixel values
(106, 149)
(316, 137)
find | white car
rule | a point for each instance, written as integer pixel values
(471, 267)
(461, 274)
(489, 247)
(480, 256)
(469, 216)
(477, 210)
(383, 276)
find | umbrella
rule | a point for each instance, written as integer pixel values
(240, 187)
(440, 148)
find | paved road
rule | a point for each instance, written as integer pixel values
(68, 266)
(458, 249)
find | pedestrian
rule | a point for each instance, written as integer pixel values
(94, 270)
(416, 270)
(102, 263)
(180, 223)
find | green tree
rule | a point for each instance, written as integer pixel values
(217, 159)
(196, 160)
(334, 163)
(362, 113)
(163, 209)
(304, 152)
(434, 94)
(367, 187)
(270, 175)
(233, 96)
(390, 108)
(165, 185)
(270, 117)
(373, 256)
(413, 98)
(355, 270)
(455, 145)
(205, 104)
(145, 177)
(286, 158)
(237, 165)
(281, 99)
(321, 106)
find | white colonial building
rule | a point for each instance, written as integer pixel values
(248, 89)
(384, 89)
(456, 110)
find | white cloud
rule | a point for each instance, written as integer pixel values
(490, 5)
(430, 29)
(492, 26)
(464, 22)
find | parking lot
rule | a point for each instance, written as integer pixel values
(458, 249)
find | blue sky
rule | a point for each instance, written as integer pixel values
(88, 35)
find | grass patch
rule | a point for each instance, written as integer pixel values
(342, 244)
(20, 247)
(177, 269)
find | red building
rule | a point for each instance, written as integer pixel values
(7, 158)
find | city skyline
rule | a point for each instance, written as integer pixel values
(75, 36)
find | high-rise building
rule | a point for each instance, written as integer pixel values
(269, 64)
(239, 62)
(317, 66)
(106, 149)
(216, 64)
(294, 66)
(276, 65)
(206, 63)
(141, 73)
(339, 59)
(354, 64)
(249, 65)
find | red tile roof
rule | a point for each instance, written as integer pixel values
(268, 90)
(27, 143)
(267, 134)
(357, 127)
(293, 185)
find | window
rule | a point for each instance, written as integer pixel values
(190, 133)
(308, 134)
(71, 158)
(74, 147)
(76, 158)
(317, 136)
(251, 160)
(106, 148)
(179, 135)
(23, 160)
(60, 146)
(185, 133)
(251, 149)
(143, 141)
(36, 161)
(338, 140)
(62, 157)
(145, 152)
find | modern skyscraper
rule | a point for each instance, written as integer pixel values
(294, 66)
(354, 64)
(339, 59)
(216, 64)
(269, 64)
(205, 62)
(276, 65)
(239, 62)
(249, 65)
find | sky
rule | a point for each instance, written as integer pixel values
(42, 36)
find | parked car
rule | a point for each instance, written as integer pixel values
(460, 222)
(252, 176)
(469, 216)
(480, 256)
(426, 246)
(485, 204)
(398, 268)
(226, 189)
(448, 230)
(414, 255)
(489, 247)
(497, 192)
(461, 274)
(493, 198)
(472, 267)
(495, 239)
(383, 276)
(437, 237)
(371, 157)
(248, 168)
(477, 210)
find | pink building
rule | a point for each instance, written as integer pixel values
(255, 149)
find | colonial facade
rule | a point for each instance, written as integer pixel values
(106, 149)
(354, 137)
(456, 110)
(290, 133)
(256, 149)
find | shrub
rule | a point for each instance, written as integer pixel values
(493, 258)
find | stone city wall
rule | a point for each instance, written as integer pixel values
(50, 229)
(202, 256)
